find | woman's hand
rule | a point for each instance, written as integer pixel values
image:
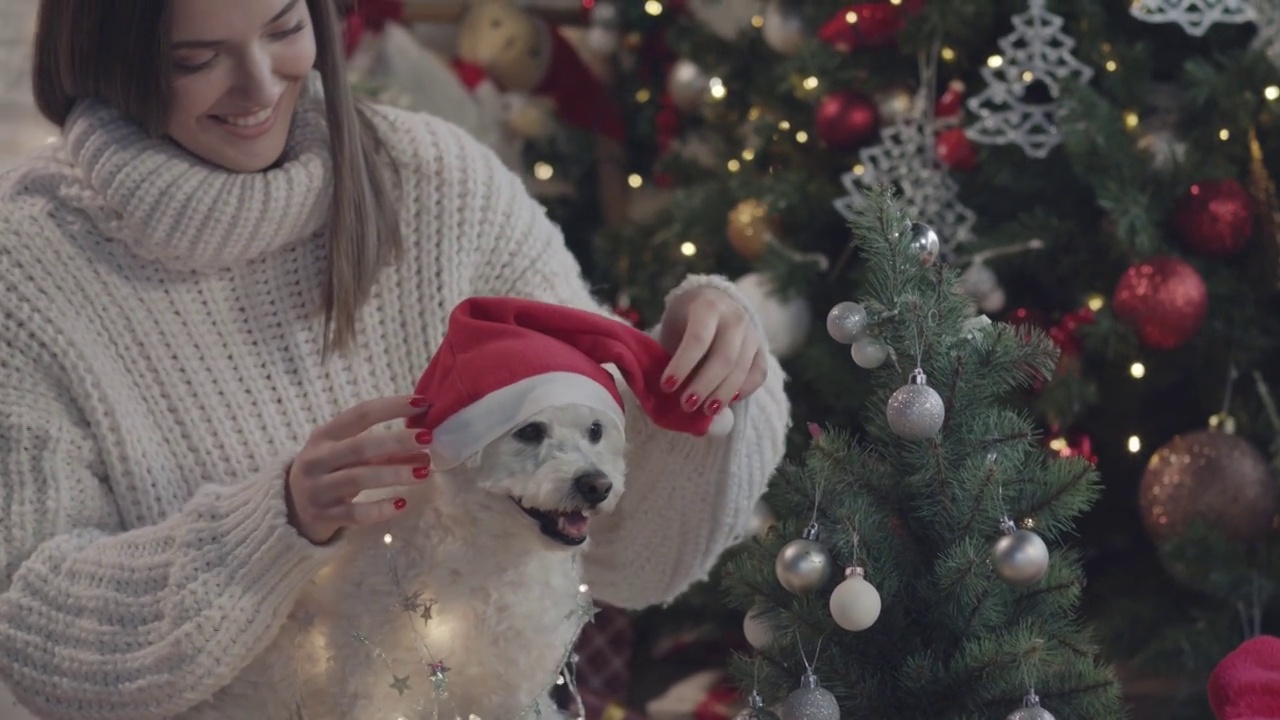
(343, 458)
(718, 356)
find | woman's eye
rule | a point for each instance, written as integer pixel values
(191, 65)
(290, 32)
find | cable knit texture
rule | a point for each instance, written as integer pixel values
(160, 361)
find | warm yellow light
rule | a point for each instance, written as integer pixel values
(757, 21)
(1272, 92)
(859, 168)
(802, 136)
(810, 83)
(688, 249)
(1224, 134)
(948, 54)
(1138, 370)
(643, 95)
(1028, 76)
(386, 539)
(1135, 444)
(784, 126)
(1058, 444)
(851, 17)
(653, 7)
(1131, 119)
(749, 154)
(734, 165)
(543, 171)
(1111, 66)
(1096, 301)
(634, 180)
(754, 113)
(718, 91)
(995, 61)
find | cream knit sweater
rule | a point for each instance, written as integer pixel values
(160, 362)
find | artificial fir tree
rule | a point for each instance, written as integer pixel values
(1152, 214)
(961, 598)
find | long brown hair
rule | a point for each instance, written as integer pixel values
(117, 51)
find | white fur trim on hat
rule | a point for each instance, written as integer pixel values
(469, 430)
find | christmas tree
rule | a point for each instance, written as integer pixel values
(1099, 170)
(911, 573)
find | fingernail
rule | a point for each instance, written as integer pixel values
(736, 397)
(423, 438)
(400, 503)
(670, 382)
(419, 402)
(713, 407)
(691, 401)
(421, 473)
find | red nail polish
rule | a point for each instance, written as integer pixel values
(691, 401)
(419, 402)
(400, 503)
(421, 473)
(423, 438)
(714, 406)
(670, 382)
(736, 397)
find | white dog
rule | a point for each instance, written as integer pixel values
(480, 575)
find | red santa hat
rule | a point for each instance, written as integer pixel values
(1246, 684)
(504, 359)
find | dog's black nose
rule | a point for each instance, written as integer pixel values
(593, 486)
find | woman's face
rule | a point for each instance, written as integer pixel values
(237, 70)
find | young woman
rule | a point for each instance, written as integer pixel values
(215, 285)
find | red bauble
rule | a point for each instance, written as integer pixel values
(956, 150)
(951, 102)
(1215, 218)
(1027, 317)
(866, 25)
(846, 119)
(1165, 301)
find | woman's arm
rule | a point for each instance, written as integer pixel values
(99, 624)
(687, 498)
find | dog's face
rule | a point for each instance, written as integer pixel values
(561, 467)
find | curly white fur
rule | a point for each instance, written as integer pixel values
(504, 601)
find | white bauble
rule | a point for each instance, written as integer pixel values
(725, 18)
(993, 302)
(784, 29)
(855, 604)
(759, 634)
(786, 322)
(869, 352)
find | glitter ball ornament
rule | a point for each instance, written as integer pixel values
(845, 119)
(855, 603)
(924, 243)
(868, 351)
(915, 410)
(1210, 477)
(846, 321)
(750, 228)
(1164, 299)
(1030, 709)
(810, 702)
(803, 565)
(1020, 557)
(687, 84)
(755, 709)
(1215, 218)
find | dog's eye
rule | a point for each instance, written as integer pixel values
(595, 432)
(532, 433)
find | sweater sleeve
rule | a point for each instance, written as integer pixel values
(98, 623)
(687, 499)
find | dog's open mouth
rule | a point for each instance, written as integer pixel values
(565, 527)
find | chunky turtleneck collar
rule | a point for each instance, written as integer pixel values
(175, 209)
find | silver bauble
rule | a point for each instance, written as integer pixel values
(846, 321)
(869, 352)
(687, 84)
(924, 243)
(1021, 558)
(803, 565)
(993, 302)
(1031, 713)
(758, 633)
(756, 710)
(915, 410)
(855, 604)
(810, 702)
(979, 280)
(762, 519)
(784, 31)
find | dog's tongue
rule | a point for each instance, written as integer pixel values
(572, 524)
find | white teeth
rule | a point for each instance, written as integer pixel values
(248, 120)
